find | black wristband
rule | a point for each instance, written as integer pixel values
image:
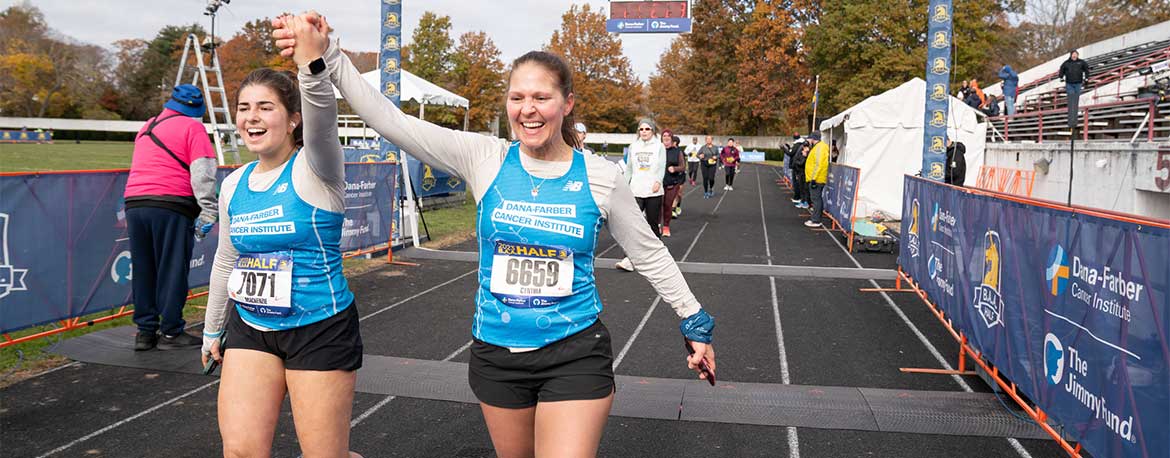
(317, 66)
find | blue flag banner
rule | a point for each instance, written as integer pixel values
(24, 136)
(65, 252)
(390, 62)
(841, 193)
(1071, 306)
(938, 77)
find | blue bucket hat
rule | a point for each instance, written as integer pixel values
(186, 99)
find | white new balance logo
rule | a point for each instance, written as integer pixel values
(573, 186)
(282, 188)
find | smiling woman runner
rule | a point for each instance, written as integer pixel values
(294, 326)
(541, 364)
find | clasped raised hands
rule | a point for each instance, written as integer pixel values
(303, 37)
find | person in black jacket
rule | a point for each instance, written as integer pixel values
(1074, 72)
(793, 157)
(956, 169)
(672, 180)
(798, 182)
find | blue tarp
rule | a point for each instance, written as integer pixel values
(64, 250)
(1072, 307)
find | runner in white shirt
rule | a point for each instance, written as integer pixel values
(692, 152)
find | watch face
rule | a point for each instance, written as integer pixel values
(317, 66)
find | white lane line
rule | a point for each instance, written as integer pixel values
(360, 418)
(793, 438)
(128, 419)
(396, 304)
(55, 369)
(1015, 444)
(650, 311)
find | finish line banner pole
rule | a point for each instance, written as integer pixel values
(938, 76)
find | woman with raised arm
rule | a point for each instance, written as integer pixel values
(541, 363)
(292, 326)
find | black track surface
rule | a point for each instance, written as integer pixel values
(832, 334)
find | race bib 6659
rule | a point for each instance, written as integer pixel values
(531, 276)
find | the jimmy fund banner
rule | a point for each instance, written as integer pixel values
(938, 76)
(840, 194)
(1072, 308)
(64, 250)
(390, 60)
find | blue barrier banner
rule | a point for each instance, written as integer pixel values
(752, 156)
(1072, 307)
(840, 193)
(24, 136)
(65, 252)
(429, 181)
(364, 155)
(938, 76)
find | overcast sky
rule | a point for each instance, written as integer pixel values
(516, 26)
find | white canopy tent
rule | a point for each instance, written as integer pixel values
(882, 135)
(418, 90)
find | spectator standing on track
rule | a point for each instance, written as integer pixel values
(799, 186)
(816, 173)
(956, 171)
(672, 179)
(541, 363)
(709, 160)
(1011, 84)
(1074, 72)
(170, 200)
(693, 160)
(729, 157)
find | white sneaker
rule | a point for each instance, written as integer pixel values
(625, 265)
(810, 223)
(729, 188)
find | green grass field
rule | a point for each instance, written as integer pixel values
(447, 226)
(66, 155)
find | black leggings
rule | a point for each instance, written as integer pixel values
(692, 170)
(709, 172)
(652, 208)
(729, 175)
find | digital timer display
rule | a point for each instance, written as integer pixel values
(648, 10)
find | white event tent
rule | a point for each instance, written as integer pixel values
(418, 90)
(882, 135)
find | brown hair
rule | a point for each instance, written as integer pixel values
(564, 75)
(284, 84)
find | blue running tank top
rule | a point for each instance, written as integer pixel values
(536, 243)
(288, 273)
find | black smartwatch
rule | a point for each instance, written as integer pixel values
(317, 66)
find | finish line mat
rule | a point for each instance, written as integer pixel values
(811, 272)
(822, 407)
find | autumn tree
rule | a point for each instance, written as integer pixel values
(249, 49)
(666, 90)
(772, 75)
(709, 76)
(859, 53)
(429, 58)
(430, 48)
(604, 84)
(145, 78)
(478, 75)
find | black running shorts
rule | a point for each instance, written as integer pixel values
(334, 343)
(578, 367)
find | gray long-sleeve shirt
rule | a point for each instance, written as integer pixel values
(477, 160)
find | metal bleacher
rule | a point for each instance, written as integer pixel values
(1122, 115)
